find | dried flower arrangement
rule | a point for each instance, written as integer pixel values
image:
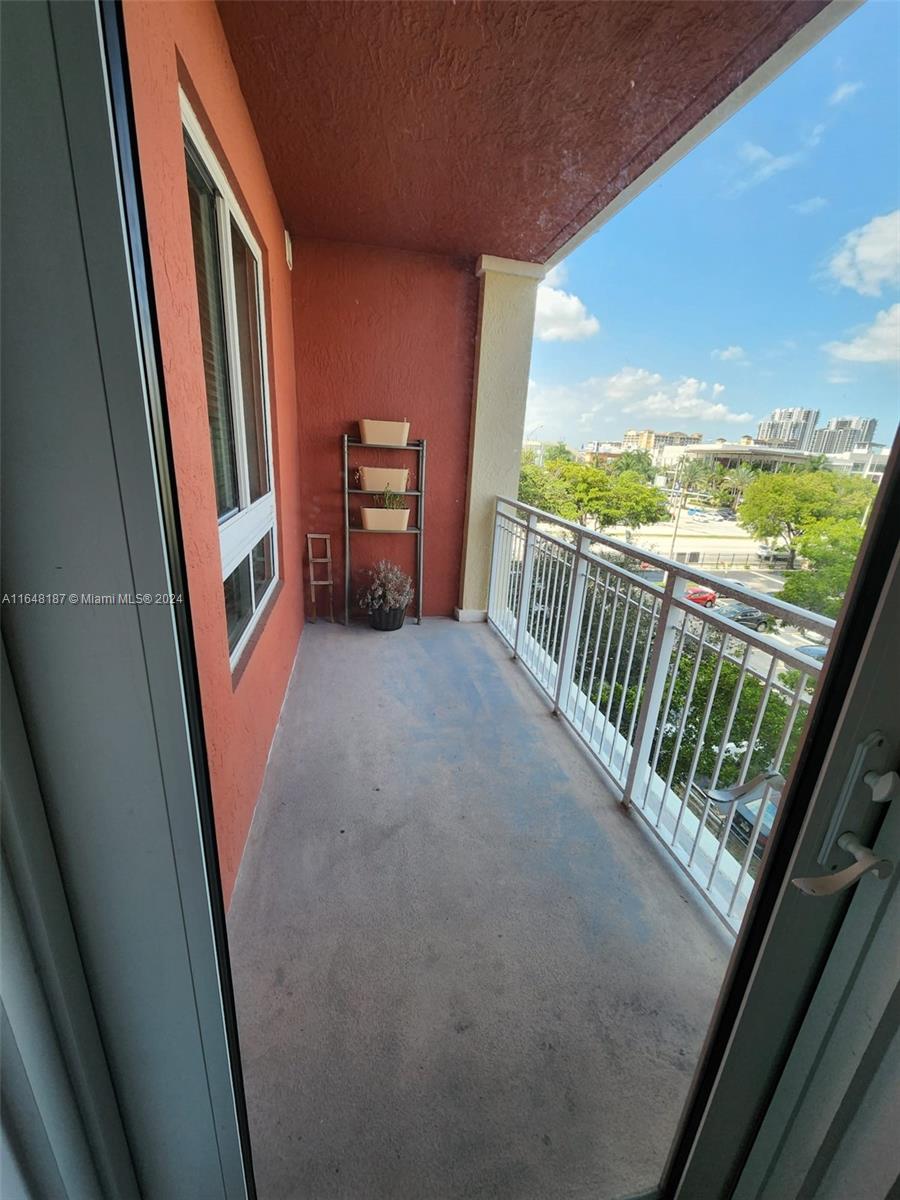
(386, 595)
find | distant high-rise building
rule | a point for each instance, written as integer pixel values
(649, 439)
(790, 428)
(843, 433)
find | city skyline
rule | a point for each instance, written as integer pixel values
(835, 436)
(761, 272)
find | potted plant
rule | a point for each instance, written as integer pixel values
(386, 595)
(376, 479)
(390, 515)
(383, 433)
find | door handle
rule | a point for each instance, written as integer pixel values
(839, 881)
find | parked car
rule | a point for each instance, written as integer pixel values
(703, 596)
(813, 650)
(744, 819)
(766, 787)
(650, 573)
(745, 614)
(773, 554)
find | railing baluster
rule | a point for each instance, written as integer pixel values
(615, 671)
(572, 625)
(515, 599)
(558, 576)
(525, 586)
(668, 695)
(638, 616)
(547, 556)
(751, 846)
(587, 626)
(745, 766)
(667, 629)
(790, 722)
(652, 624)
(590, 686)
(612, 623)
(495, 570)
(689, 696)
(698, 748)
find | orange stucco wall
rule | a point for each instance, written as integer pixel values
(386, 334)
(170, 43)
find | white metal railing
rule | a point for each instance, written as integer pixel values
(676, 702)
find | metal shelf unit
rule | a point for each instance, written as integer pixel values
(417, 530)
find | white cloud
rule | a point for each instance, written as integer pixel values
(760, 164)
(815, 136)
(879, 343)
(562, 317)
(556, 276)
(843, 92)
(807, 207)
(838, 377)
(632, 393)
(730, 354)
(765, 164)
(869, 257)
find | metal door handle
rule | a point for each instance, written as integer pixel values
(839, 881)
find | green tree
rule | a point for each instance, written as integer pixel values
(830, 547)
(765, 746)
(636, 503)
(818, 463)
(783, 506)
(543, 489)
(637, 462)
(738, 480)
(604, 499)
(693, 474)
(558, 452)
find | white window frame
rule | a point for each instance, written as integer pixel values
(241, 530)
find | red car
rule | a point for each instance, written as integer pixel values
(703, 596)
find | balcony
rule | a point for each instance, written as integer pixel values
(460, 968)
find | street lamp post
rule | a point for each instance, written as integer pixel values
(681, 498)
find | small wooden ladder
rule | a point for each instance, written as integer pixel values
(317, 583)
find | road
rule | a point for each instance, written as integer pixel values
(721, 540)
(708, 538)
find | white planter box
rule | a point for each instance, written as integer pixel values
(376, 479)
(388, 519)
(384, 433)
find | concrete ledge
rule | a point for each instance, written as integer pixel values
(470, 614)
(509, 266)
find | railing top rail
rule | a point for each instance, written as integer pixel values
(790, 613)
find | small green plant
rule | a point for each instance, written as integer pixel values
(390, 499)
(388, 587)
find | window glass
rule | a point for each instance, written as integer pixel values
(246, 291)
(238, 602)
(262, 567)
(212, 329)
(232, 320)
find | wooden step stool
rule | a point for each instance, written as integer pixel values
(317, 583)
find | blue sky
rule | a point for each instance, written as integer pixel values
(761, 271)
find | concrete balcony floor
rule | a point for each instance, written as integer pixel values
(461, 970)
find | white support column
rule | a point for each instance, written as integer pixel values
(502, 360)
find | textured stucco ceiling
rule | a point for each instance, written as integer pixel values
(468, 128)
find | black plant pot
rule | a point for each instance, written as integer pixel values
(387, 618)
